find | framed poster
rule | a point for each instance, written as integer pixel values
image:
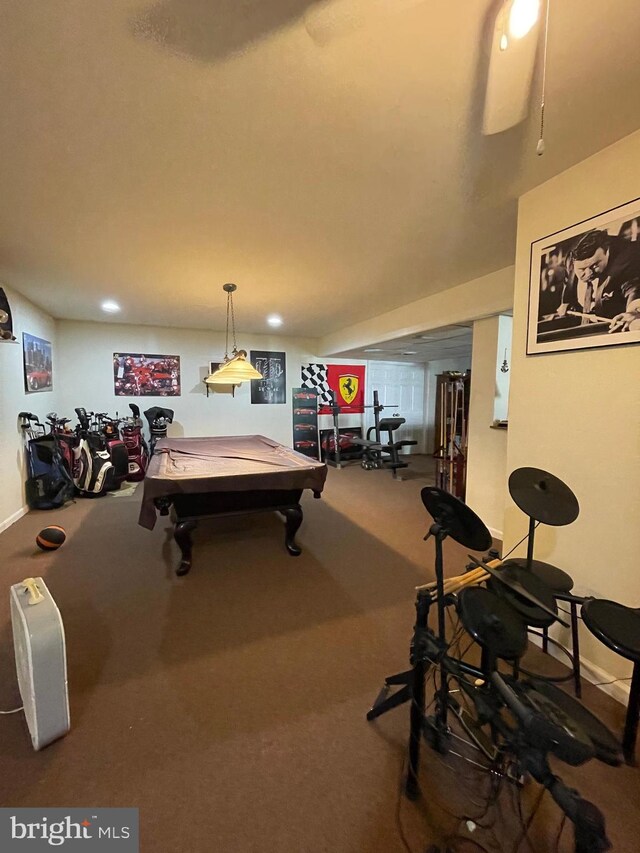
(36, 356)
(272, 388)
(142, 375)
(584, 284)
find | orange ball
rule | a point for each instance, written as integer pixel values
(50, 538)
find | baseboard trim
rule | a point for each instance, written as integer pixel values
(617, 689)
(13, 518)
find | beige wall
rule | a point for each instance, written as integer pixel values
(85, 363)
(14, 399)
(487, 448)
(577, 414)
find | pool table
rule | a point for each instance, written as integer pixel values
(226, 475)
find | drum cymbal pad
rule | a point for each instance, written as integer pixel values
(543, 497)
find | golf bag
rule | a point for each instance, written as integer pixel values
(65, 438)
(93, 472)
(48, 484)
(117, 450)
(137, 450)
(159, 419)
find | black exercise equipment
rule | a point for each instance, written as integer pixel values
(378, 449)
(381, 452)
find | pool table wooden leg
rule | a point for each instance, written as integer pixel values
(182, 535)
(293, 516)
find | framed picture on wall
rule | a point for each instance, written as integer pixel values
(146, 375)
(584, 284)
(272, 388)
(38, 368)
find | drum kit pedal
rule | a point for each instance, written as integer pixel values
(516, 722)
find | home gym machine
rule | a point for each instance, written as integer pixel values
(374, 451)
(510, 724)
(452, 414)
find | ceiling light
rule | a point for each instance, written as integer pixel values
(110, 306)
(504, 41)
(274, 320)
(374, 349)
(410, 352)
(522, 17)
(234, 369)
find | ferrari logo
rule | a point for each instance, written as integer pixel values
(348, 388)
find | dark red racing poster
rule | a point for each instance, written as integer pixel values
(347, 383)
(140, 375)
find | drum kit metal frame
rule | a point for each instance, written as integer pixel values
(514, 723)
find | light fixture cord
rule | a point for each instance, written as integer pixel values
(233, 325)
(226, 341)
(540, 148)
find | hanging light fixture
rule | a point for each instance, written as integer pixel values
(235, 368)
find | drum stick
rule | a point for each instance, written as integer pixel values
(447, 581)
(467, 582)
(456, 578)
(465, 578)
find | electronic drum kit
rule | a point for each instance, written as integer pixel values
(545, 719)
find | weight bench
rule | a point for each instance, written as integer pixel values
(383, 455)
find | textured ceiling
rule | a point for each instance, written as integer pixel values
(151, 152)
(446, 342)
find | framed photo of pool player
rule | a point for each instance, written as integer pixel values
(584, 284)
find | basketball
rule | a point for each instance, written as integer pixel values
(51, 538)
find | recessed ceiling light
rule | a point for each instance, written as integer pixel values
(410, 352)
(274, 320)
(110, 306)
(374, 349)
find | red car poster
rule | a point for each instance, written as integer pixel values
(36, 354)
(142, 375)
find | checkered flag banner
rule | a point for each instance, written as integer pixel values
(315, 376)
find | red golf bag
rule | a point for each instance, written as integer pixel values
(117, 451)
(137, 450)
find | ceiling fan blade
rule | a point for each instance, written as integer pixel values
(511, 67)
(331, 19)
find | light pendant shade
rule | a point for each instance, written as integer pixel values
(236, 369)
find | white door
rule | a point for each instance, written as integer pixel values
(400, 389)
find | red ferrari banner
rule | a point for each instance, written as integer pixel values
(347, 383)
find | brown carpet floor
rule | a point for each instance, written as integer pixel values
(229, 705)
